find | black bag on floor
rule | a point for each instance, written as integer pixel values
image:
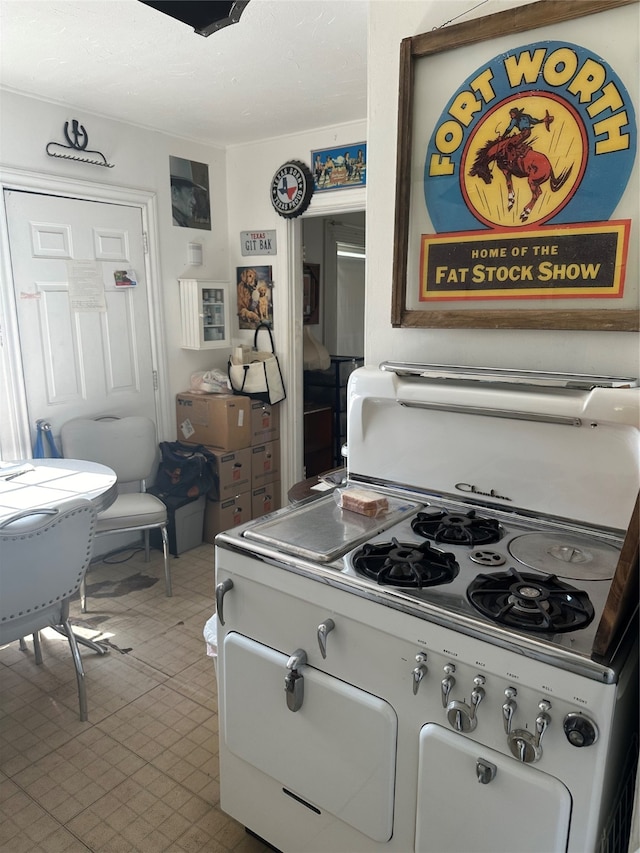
(185, 471)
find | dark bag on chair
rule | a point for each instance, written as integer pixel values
(185, 470)
(260, 376)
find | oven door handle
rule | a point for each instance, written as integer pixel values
(323, 630)
(294, 680)
(221, 590)
(514, 414)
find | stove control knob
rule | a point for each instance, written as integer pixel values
(420, 671)
(447, 683)
(580, 730)
(461, 717)
(509, 708)
(477, 694)
(524, 746)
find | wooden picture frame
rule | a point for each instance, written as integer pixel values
(310, 294)
(428, 65)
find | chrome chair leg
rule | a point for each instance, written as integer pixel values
(83, 594)
(165, 552)
(77, 661)
(94, 645)
(37, 648)
(147, 548)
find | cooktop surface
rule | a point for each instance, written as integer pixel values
(520, 575)
(519, 581)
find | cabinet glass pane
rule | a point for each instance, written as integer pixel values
(205, 322)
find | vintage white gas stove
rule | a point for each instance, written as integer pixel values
(426, 680)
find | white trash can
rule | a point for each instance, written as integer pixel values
(211, 637)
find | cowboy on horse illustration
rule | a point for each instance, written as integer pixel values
(515, 158)
(524, 122)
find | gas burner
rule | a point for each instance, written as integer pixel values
(405, 565)
(457, 528)
(531, 602)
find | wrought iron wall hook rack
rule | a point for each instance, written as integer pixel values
(78, 139)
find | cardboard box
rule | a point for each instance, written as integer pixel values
(233, 472)
(221, 421)
(265, 499)
(265, 463)
(265, 422)
(185, 523)
(223, 515)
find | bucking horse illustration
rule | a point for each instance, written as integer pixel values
(516, 159)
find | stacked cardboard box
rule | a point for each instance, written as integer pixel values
(244, 437)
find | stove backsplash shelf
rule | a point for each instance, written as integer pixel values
(550, 450)
(490, 375)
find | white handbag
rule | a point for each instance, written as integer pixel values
(259, 376)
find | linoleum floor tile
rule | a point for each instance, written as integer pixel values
(141, 776)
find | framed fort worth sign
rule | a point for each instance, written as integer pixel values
(517, 194)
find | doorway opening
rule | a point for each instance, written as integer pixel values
(333, 337)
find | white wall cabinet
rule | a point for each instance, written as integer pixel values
(204, 306)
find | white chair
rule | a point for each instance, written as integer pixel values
(128, 446)
(44, 555)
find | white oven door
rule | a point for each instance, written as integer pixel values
(521, 810)
(336, 753)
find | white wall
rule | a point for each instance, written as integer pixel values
(240, 200)
(571, 351)
(141, 161)
(250, 169)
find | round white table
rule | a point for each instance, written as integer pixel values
(33, 483)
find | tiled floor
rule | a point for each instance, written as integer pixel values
(142, 774)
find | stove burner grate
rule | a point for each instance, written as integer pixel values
(405, 565)
(457, 528)
(531, 602)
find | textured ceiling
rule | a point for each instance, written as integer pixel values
(285, 67)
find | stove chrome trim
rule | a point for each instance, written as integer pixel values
(523, 645)
(573, 381)
(493, 413)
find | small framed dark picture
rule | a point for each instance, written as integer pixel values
(311, 293)
(190, 206)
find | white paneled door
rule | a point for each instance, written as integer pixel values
(83, 316)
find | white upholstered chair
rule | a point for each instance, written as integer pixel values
(44, 555)
(128, 446)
